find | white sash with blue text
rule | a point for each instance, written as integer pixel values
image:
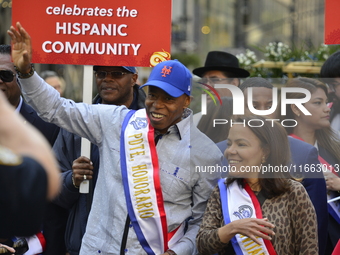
(238, 203)
(141, 180)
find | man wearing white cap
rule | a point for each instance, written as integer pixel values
(163, 160)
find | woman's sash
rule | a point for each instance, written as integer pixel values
(142, 187)
(238, 203)
(333, 207)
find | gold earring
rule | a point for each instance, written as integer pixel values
(298, 114)
(263, 160)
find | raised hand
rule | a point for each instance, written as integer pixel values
(21, 48)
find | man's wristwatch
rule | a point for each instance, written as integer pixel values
(25, 75)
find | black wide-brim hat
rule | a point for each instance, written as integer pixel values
(221, 61)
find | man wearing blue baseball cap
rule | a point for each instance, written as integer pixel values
(157, 170)
(168, 96)
(115, 85)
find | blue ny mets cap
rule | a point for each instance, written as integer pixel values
(131, 69)
(172, 77)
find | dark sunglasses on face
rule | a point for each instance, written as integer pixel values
(114, 74)
(6, 75)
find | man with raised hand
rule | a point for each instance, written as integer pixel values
(157, 150)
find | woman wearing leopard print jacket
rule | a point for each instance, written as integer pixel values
(254, 211)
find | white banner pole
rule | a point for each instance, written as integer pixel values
(87, 98)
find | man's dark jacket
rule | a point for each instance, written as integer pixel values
(49, 130)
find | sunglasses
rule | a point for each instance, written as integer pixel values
(213, 80)
(114, 74)
(6, 75)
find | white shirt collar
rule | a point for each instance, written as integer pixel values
(19, 105)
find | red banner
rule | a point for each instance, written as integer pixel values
(332, 22)
(112, 33)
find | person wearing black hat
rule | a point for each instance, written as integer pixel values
(220, 68)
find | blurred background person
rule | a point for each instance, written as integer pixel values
(315, 129)
(29, 174)
(11, 87)
(53, 79)
(257, 210)
(330, 74)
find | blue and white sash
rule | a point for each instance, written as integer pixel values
(238, 203)
(141, 180)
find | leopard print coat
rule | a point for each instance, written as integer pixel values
(292, 214)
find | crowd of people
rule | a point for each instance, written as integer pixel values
(146, 195)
